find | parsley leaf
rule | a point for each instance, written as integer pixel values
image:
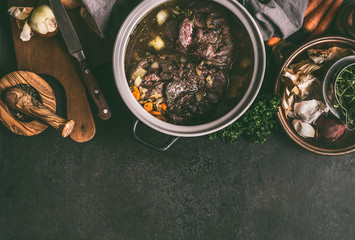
(256, 124)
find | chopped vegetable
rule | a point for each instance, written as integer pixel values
(155, 65)
(160, 117)
(272, 41)
(148, 106)
(155, 113)
(198, 72)
(209, 79)
(136, 93)
(163, 106)
(162, 16)
(158, 43)
(256, 124)
(138, 81)
(140, 72)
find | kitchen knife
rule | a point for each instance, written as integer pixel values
(76, 50)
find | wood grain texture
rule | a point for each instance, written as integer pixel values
(50, 56)
(23, 102)
(23, 77)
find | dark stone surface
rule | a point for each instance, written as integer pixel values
(114, 188)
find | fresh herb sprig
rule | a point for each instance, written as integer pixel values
(256, 124)
(345, 91)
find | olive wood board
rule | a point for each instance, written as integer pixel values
(50, 56)
(45, 91)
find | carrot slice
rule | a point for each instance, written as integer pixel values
(148, 106)
(162, 118)
(312, 20)
(135, 89)
(163, 106)
(155, 113)
(136, 95)
(272, 41)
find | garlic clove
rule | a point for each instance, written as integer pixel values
(43, 21)
(26, 32)
(20, 13)
(303, 129)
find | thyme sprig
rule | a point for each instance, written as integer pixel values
(345, 91)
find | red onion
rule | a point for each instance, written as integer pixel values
(329, 129)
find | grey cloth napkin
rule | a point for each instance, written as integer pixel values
(100, 11)
(278, 18)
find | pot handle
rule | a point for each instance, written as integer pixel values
(162, 148)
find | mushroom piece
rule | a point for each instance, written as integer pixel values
(309, 86)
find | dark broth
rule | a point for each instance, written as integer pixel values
(239, 74)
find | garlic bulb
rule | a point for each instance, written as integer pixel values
(303, 129)
(43, 21)
(309, 111)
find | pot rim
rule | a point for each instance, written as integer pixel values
(120, 48)
(280, 115)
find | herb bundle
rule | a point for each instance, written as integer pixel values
(345, 91)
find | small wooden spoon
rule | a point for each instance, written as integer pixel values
(23, 102)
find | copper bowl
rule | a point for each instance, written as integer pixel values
(344, 145)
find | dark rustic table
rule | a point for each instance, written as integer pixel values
(114, 188)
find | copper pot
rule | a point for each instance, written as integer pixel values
(347, 143)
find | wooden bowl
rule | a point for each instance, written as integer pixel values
(344, 145)
(45, 91)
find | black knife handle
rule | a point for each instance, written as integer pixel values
(95, 92)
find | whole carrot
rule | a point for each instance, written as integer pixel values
(272, 41)
(311, 21)
(327, 20)
(312, 4)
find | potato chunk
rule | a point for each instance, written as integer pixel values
(162, 16)
(158, 43)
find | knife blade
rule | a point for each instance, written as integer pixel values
(75, 49)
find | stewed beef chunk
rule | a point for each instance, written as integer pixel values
(206, 35)
(194, 92)
(189, 90)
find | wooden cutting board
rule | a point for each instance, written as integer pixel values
(50, 56)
